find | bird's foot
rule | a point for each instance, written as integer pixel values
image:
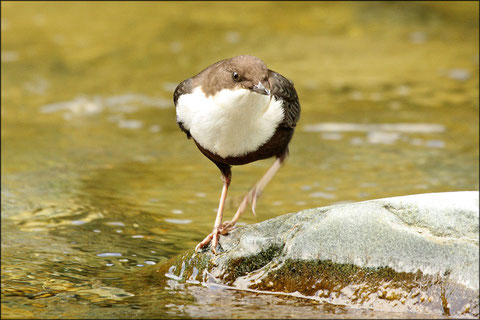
(256, 194)
(251, 198)
(226, 227)
(211, 238)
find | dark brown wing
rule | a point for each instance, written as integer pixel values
(183, 88)
(283, 89)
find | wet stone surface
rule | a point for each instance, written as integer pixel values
(416, 254)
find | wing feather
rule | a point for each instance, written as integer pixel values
(183, 87)
(283, 89)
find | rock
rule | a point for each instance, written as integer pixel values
(416, 253)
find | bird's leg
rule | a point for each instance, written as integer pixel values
(253, 194)
(213, 237)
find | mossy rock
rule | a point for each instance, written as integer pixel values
(407, 254)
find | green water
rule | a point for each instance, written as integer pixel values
(98, 182)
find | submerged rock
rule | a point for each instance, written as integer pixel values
(415, 253)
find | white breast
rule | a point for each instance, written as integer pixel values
(230, 123)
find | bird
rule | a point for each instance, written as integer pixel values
(237, 111)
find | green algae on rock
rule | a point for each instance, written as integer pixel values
(415, 253)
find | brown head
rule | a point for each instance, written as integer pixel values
(240, 72)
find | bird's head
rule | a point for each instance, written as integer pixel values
(248, 72)
(240, 72)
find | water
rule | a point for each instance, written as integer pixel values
(98, 183)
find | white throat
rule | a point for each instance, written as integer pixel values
(230, 123)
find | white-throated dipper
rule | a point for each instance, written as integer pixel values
(238, 111)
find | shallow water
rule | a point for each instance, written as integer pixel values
(98, 182)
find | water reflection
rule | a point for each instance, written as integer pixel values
(368, 127)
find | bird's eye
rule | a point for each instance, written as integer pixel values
(235, 76)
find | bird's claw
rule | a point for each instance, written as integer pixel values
(226, 227)
(211, 238)
(253, 195)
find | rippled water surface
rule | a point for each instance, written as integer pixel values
(98, 182)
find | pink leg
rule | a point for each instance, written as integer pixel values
(213, 237)
(253, 194)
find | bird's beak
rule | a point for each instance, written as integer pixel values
(259, 88)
